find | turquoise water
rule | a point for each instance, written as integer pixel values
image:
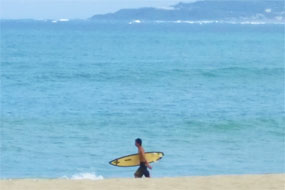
(75, 95)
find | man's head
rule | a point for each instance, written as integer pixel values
(138, 142)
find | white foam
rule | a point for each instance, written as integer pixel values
(135, 21)
(79, 176)
(267, 10)
(167, 8)
(60, 20)
(252, 22)
(197, 21)
(63, 20)
(91, 176)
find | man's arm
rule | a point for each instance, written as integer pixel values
(141, 151)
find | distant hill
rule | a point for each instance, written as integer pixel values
(205, 10)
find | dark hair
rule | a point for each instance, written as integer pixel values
(139, 141)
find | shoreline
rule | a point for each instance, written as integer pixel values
(216, 182)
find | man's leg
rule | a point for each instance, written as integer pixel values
(138, 173)
(146, 172)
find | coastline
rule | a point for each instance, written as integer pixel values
(218, 182)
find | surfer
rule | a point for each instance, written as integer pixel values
(143, 162)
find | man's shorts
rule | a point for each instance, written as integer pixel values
(142, 171)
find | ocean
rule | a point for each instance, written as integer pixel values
(76, 94)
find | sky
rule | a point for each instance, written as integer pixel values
(72, 9)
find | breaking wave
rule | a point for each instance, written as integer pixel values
(79, 176)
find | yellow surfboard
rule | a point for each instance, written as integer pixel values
(133, 159)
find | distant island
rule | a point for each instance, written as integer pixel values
(205, 10)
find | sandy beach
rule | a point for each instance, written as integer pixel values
(231, 182)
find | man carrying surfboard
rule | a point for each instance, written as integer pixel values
(142, 170)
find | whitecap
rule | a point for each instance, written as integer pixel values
(253, 22)
(91, 176)
(63, 20)
(135, 22)
(267, 10)
(79, 176)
